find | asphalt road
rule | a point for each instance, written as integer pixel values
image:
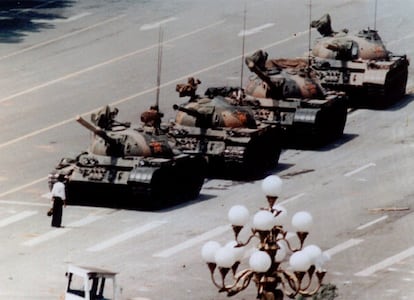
(60, 59)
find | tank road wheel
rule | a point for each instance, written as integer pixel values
(338, 120)
(163, 189)
(191, 174)
(196, 178)
(262, 153)
(395, 85)
(321, 130)
(330, 124)
(394, 88)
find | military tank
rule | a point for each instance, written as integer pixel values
(358, 64)
(129, 167)
(285, 92)
(229, 136)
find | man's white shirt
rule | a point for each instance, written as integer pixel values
(58, 190)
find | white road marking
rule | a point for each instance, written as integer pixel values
(156, 24)
(105, 63)
(125, 236)
(72, 18)
(372, 222)
(386, 262)
(341, 247)
(60, 231)
(360, 169)
(150, 90)
(47, 195)
(292, 199)
(191, 242)
(24, 203)
(67, 121)
(61, 37)
(256, 29)
(63, 20)
(23, 186)
(17, 217)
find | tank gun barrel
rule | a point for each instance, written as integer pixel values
(191, 112)
(202, 120)
(96, 130)
(253, 67)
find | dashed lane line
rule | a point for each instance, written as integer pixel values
(125, 236)
(60, 231)
(104, 63)
(17, 217)
(286, 201)
(61, 37)
(23, 186)
(138, 94)
(131, 97)
(342, 247)
(386, 263)
(372, 222)
(360, 169)
(191, 242)
(65, 20)
(156, 24)
(255, 29)
(24, 203)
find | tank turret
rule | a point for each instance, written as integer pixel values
(281, 78)
(227, 135)
(288, 92)
(124, 141)
(213, 113)
(129, 167)
(358, 64)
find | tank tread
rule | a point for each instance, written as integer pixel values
(393, 89)
(147, 188)
(315, 127)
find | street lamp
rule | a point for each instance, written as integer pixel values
(267, 264)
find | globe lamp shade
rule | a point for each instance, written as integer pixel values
(260, 261)
(263, 220)
(272, 186)
(208, 251)
(314, 253)
(238, 252)
(300, 261)
(224, 257)
(238, 215)
(302, 221)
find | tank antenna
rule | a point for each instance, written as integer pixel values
(375, 15)
(160, 41)
(243, 43)
(310, 33)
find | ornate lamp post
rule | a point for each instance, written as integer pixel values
(267, 269)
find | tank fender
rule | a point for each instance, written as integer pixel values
(377, 76)
(306, 115)
(141, 175)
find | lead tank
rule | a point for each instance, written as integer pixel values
(129, 167)
(359, 64)
(234, 143)
(288, 93)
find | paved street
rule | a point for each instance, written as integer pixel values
(60, 59)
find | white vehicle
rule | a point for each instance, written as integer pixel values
(89, 284)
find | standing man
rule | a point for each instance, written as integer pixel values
(59, 200)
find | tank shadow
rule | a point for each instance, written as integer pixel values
(329, 145)
(361, 103)
(19, 17)
(406, 100)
